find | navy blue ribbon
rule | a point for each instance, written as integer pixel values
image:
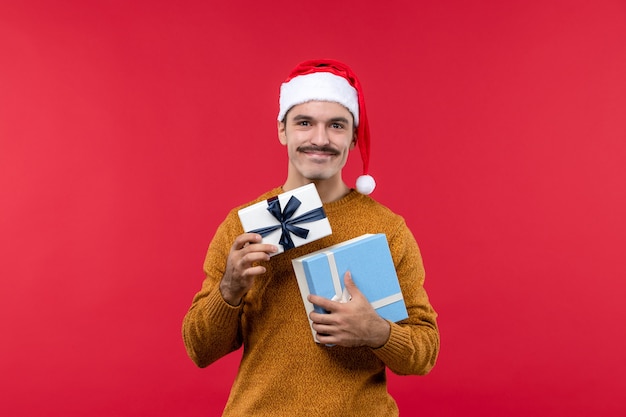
(287, 224)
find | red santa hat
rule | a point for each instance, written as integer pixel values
(329, 80)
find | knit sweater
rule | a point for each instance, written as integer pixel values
(283, 371)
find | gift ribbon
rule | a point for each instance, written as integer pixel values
(287, 223)
(343, 296)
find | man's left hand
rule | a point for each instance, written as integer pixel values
(353, 323)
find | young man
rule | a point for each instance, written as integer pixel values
(251, 300)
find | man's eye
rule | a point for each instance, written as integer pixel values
(337, 126)
(304, 123)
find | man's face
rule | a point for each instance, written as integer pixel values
(318, 136)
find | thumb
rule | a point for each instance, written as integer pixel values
(349, 283)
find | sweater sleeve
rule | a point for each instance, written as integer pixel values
(413, 344)
(211, 327)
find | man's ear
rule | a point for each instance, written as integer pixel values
(353, 143)
(282, 137)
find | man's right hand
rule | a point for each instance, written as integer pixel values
(242, 266)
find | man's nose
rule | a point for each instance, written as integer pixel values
(320, 136)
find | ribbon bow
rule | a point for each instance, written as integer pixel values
(288, 224)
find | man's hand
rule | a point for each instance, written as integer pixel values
(354, 323)
(242, 266)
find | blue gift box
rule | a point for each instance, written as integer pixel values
(369, 261)
(288, 220)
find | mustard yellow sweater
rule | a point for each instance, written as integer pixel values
(283, 372)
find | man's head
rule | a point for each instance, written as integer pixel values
(328, 81)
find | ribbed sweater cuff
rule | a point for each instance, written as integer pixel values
(221, 313)
(399, 339)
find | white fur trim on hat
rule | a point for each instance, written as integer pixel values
(318, 86)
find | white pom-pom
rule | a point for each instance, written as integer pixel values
(365, 184)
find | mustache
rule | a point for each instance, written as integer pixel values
(318, 149)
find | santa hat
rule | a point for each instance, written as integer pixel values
(329, 80)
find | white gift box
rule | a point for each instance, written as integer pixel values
(369, 261)
(289, 220)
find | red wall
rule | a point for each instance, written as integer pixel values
(128, 129)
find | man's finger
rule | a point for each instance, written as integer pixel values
(325, 303)
(349, 283)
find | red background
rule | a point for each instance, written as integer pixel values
(128, 129)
